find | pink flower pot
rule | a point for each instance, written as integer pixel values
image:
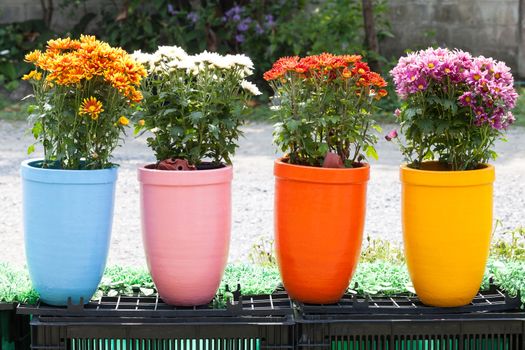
(186, 222)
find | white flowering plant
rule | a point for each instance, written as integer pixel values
(194, 105)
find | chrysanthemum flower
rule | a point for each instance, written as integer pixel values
(123, 121)
(33, 56)
(92, 107)
(32, 75)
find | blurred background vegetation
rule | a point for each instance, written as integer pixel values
(264, 30)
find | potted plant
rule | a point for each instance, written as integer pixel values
(455, 108)
(324, 106)
(82, 89)
(193, 108)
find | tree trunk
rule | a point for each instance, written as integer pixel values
(47, 9)
(370, 34)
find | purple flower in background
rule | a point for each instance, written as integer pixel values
(171, 10)
(234, 13)
(239, 38)
(193, 17)
(258, 29)
(270, 22)
(244, 25)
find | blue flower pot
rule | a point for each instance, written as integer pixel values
(67, 220)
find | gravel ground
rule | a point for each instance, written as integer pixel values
(252, 193)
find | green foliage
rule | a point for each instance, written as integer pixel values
(508, 275)
(77, 116)
(262, 253)
(125, 281)
(436, 127)
(381, 277)
(15, 40)
(372, 278)
(15, 285)
(264, 30)
(510, 246)
(72, 141)
(334, 26)
(194, 105)
(253, 279)
(325, 110)
(382, 250)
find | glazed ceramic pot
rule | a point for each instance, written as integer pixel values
(68, 216)
(186, 223)
(447, 226)
(319, 221)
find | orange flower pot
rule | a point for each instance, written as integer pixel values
(447, 226)
(319, 221)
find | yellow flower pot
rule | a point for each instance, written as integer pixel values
(447, 226)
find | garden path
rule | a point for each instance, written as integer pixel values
(252, 192)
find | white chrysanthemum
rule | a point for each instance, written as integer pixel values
(240, 60)
(141, 57)
(172, 52)
(187, 63)
(250, 87)
(213, 59)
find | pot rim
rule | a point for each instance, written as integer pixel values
(305, 173)
(66, 176)
(148, 176)
(447, 178)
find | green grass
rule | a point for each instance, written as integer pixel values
(378, 277)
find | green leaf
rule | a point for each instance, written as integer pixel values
(410, 113)
(377, 128)
(371, 152)
(30, 149)
(196, 116)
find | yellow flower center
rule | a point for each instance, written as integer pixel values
(477, 77)
(431, 65)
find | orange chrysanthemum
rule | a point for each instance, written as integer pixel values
(351, 58)
(382, 93)
(72, 62)
(92, 107)
(123, 121)
(33, 56)
(360, 68)
(32, 75)
(62, 44)
(281, 67)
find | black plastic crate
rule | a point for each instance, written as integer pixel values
(14, 329)
(493, 321)
(431, 334)
(142, 323)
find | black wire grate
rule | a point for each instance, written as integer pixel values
(491, 300)
(268, 305)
